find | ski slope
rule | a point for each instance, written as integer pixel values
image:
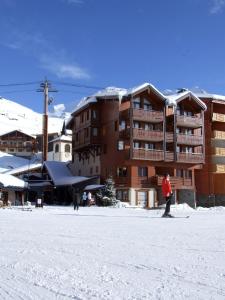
(111, 253)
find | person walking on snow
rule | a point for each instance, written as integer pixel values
(167, 193)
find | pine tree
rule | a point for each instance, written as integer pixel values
(107, 196)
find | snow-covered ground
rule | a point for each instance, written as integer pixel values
(111, 253)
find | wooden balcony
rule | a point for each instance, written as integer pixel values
(189, 139)
(176, 182)
(216, 117)
(124, 134)
(220, 135)
(218, 151)
(143, 182)
(86, 142)
(218, 168)
(189, 121)
(147, 135)
(196, 158)
(169, 156)
(142, 154)
(152, 116)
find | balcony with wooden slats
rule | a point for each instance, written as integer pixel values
(193, 140)
(148, 135)
(197, 158)
(220, 135)
(152, 116)
(216, 117)
(84, 142)
(176, 182)
(143, 154)
(189, 121)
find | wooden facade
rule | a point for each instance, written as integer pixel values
(18, 143)
(210, 179)
(138, 137)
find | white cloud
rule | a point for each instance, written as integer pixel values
(74, 1)
(217, 6)
(63, 69)
(55, 61)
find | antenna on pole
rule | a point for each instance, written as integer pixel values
(45, 88)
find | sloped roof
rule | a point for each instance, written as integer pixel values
(61, 175)
(176, 98)
(10, 181)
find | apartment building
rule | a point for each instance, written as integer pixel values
(210, 180)
(136, 136)
(18, 143)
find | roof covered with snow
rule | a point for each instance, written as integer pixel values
(61, 174)
(176, 98)
(18, 117)
(10, 181)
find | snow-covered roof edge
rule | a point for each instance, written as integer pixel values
(176, 98)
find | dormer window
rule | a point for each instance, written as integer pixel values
(56, 148)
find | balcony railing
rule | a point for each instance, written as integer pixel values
(147, 135)
(218, 117)
(189, 121)
(152, 116)
(176, 182)
(189, 139)
(190, 157)
(220, 135)
(87, 141)
(155, 155)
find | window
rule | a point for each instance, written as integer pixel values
(56, 148)
(137, 103)
(142, 171)
(136, 145)
(96, 169)
(95, 131)
(122, 125)
(147, 105)
(136, 124)
(87, 114)
(120, 145)
(67, 148)
(149, 126)
(82, 118)
(122, 171)
(149, 146)
(94, 114)
(122, 195)
(91, 170)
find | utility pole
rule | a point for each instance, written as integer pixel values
(45, 88)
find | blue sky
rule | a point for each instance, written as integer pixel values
(123, 43)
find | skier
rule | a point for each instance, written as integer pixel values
(76, 201)
(84, 199)
(167, 193)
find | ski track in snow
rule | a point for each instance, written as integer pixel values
(110, 253)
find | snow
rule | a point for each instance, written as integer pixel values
(8, 162)
(61, 175)
(111, 253)
(18, 117)
(7, 180)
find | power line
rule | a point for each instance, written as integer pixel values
(79, 85)
(21, 83)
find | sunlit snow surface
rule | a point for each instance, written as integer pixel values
(111, 253)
